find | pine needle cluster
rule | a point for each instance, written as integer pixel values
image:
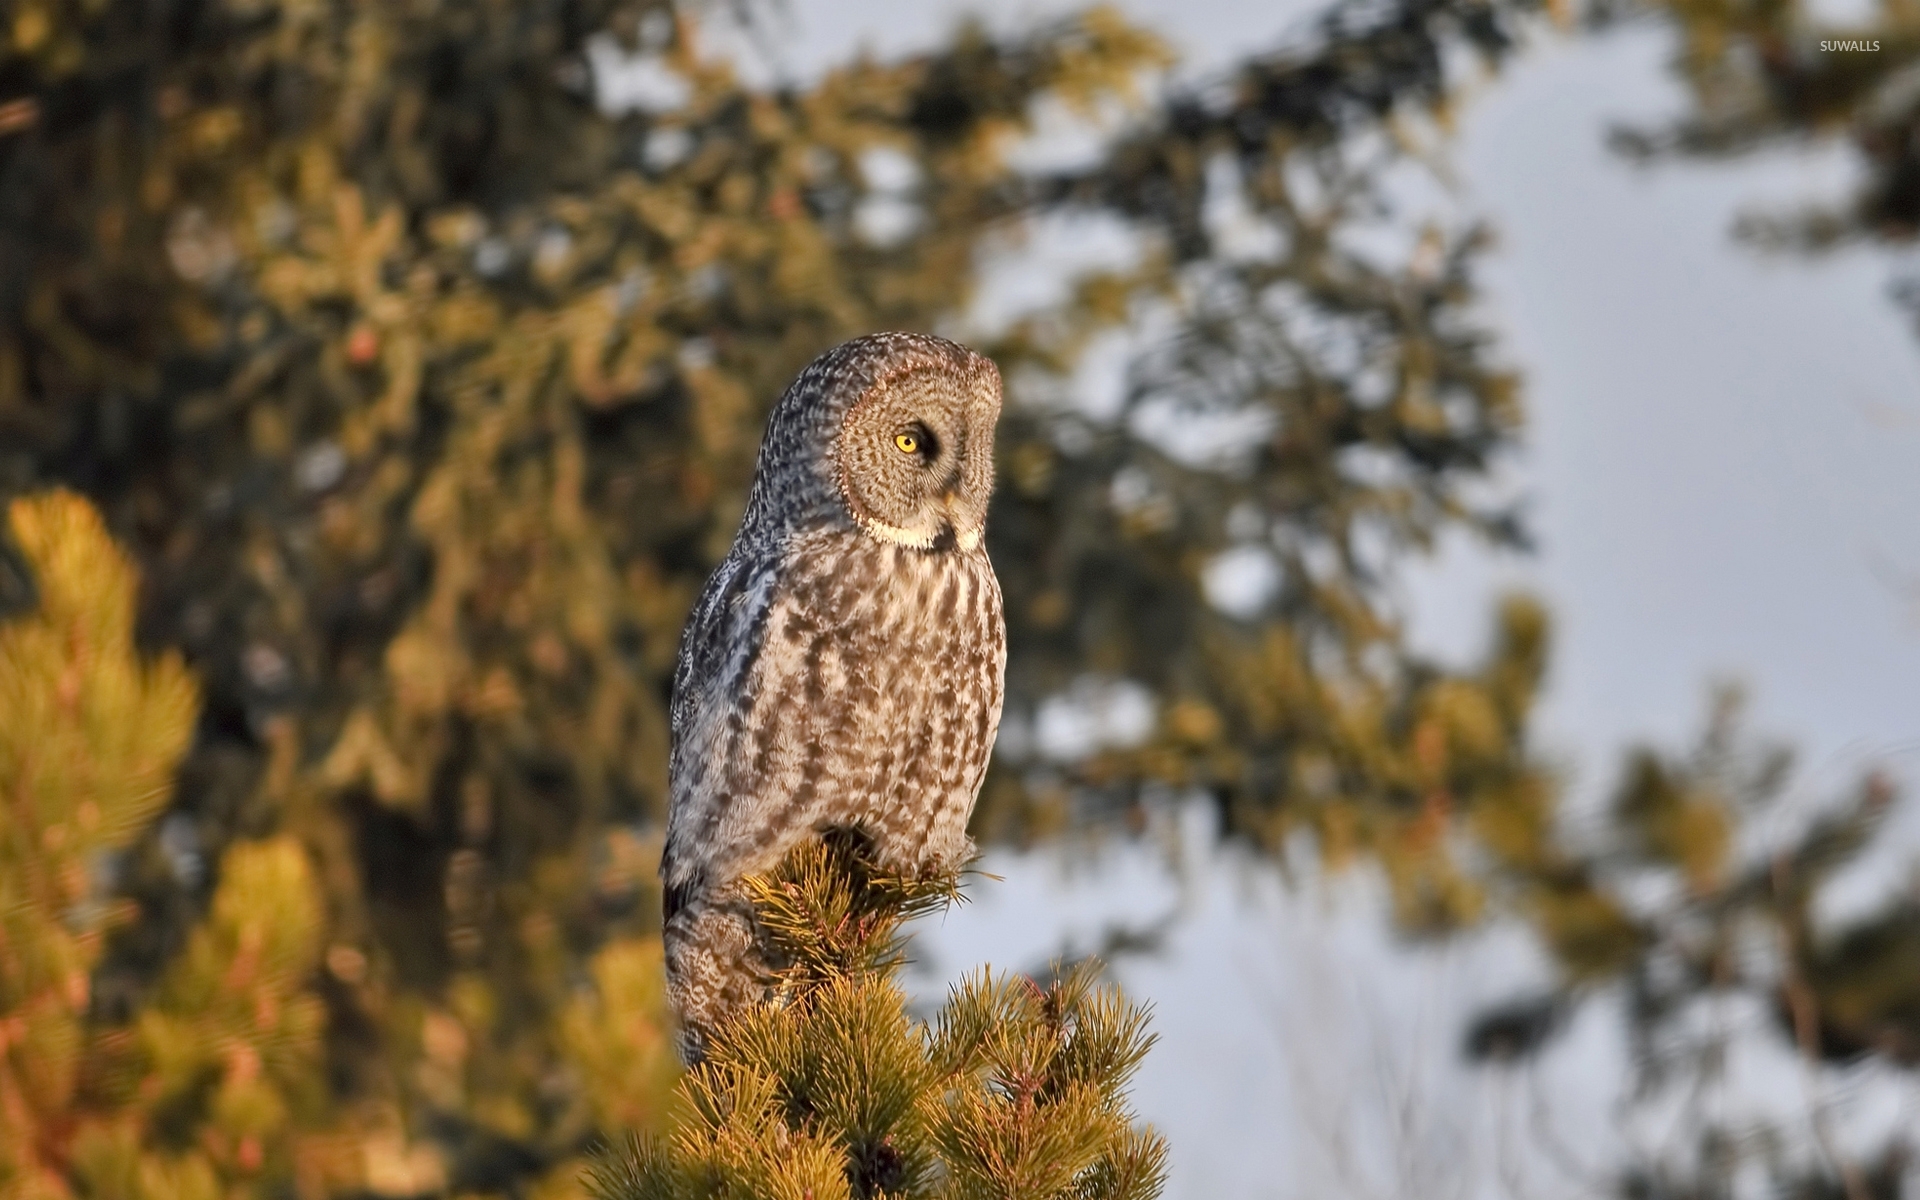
(833, 1089)
(212, 1087)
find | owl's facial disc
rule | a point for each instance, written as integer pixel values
(916, 457)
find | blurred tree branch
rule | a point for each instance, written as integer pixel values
(417, 353)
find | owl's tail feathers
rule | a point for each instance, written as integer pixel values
(716, 966)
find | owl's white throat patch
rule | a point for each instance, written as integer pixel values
(967, 540)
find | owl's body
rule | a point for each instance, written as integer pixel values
(844, 665)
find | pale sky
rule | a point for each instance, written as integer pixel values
(1721, 458)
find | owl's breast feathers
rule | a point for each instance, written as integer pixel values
(833, 679)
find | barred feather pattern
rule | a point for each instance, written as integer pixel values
(844, 666)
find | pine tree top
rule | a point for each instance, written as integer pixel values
(1015, 1088)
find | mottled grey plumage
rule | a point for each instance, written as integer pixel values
(844, 665)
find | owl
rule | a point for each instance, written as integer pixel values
(845, 664)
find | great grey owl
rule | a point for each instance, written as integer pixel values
(845, 664)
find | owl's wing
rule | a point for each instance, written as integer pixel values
(732, 781)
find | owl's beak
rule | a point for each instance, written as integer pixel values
(965, 536)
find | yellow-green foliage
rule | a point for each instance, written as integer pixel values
(617, 1037)
(1014, 1090)
(230, 1041)
(203, 1091)
(89, 733)
(89, 736)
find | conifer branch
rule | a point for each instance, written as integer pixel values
(830, 1088)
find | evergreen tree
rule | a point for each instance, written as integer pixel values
(830, 1088)
(1745, 876)
(210, 1083)
(1698, 902)
(424, 387)
(1766, 76)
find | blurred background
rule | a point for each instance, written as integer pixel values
(1456, 523)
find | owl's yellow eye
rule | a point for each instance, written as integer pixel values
(906, 443)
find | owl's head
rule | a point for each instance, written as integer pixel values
(907, 420)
